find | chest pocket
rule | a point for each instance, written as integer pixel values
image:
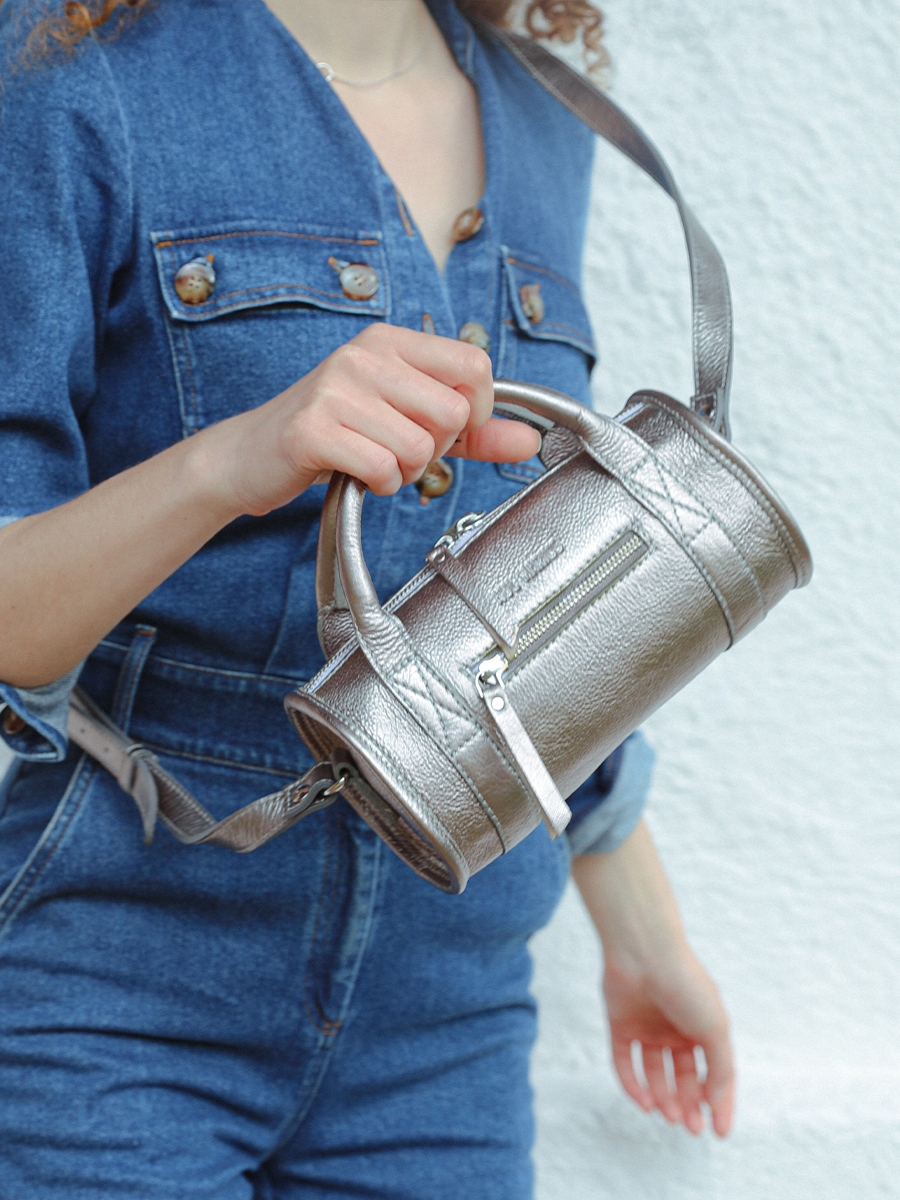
(547, 337)
(252, 307)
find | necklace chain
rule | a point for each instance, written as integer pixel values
(331, 76)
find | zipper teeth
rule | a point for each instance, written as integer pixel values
(577, 594)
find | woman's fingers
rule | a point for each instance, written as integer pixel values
(718, 1090)
(687, 1086)
(418, 396)
(411, 393)
(499, 440)
(367, 370)
(625, 1070)
(381, 407)
(654, 1068)
(458, 365)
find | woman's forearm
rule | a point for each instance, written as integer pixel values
(630, 901)
(69, 575)
(379, 408)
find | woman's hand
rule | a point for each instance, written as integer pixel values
(669, 1009)
(381, 408)
(658, 994)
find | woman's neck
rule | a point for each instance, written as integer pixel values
(422, 122)
(359, 39)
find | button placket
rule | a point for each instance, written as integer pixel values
(436, 480)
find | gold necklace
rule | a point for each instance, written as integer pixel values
(331, 76)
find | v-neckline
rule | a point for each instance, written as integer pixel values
(343, 115)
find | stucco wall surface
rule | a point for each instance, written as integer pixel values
(775, 798)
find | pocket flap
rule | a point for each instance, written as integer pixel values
(259, 264)
(546, 305)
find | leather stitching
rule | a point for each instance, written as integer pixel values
(679, 508)
(707, 445)
(438, 708)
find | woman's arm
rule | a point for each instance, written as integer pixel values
(657, 992)
(381, 408)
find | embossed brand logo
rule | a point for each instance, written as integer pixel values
(545, 554)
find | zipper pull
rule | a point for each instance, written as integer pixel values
(555, 813)
(466, 524)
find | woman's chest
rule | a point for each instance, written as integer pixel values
(428, 140)
(292, 239)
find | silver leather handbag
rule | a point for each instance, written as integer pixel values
(458, 716)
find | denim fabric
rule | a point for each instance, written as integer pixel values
(607, 808)
(309, 1019)
(118, 171)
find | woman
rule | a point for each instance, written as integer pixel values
(182, 203)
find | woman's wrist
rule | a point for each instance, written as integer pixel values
(632, 905)
(210, 471)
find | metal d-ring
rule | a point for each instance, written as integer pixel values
(338, 785)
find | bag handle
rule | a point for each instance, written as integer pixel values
(342, 577)
(538, 406)
(344, 589)
(710, 294)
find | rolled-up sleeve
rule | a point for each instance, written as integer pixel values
(607, 807)
(66, 217)
(39, 734)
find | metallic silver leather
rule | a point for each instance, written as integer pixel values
(398, 711)
(401, 692)
(555, 813)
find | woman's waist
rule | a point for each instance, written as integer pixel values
(170, 701)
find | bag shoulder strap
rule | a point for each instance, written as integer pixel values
(157, 794)
(710, 294)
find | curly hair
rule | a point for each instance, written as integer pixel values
(564, 20)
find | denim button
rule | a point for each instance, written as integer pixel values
(532, 302)
(467, 224)
(437, 478)
(359, 281)
(195, 281)
(475, 334)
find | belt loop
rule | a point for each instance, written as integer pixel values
(130, 674)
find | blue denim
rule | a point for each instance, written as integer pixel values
(311, 1018)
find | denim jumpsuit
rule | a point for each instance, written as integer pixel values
(312, 1019)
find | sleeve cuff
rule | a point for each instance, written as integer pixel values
(45, 712)
(616, 808)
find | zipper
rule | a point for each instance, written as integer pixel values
(599, 575)
(467, 524)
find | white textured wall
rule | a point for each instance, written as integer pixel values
(775, 803)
